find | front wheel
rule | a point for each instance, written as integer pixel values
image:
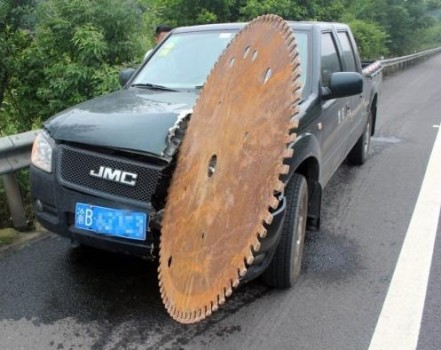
(284, 269)
(360, 151)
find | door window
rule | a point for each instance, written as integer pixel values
(329, 58)
(348, 52)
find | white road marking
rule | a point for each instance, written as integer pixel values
(398, 326)
(437, 126)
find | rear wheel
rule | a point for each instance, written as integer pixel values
(284, 269)
(360, 151)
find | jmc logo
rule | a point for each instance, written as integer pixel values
(116, 175)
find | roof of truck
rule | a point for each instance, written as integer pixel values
(305, 25)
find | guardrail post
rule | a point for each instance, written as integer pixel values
(15, 202)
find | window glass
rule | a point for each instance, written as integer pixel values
(184, 60)
(329, 58)
(348, 53)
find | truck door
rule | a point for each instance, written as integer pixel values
(334, 112)
(356, 112)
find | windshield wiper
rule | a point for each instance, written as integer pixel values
(153, 86)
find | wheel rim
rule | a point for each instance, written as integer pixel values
(298, 244)
(367, 138)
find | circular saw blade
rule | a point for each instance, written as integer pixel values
(229, 168)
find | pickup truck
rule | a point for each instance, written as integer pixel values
(100, 170)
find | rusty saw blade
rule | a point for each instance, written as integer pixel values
(229, 169)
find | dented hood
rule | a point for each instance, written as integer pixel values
(134, 119)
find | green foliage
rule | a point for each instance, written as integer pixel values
(371, 39)
(188, 12)
(66, 58)
(283, 8)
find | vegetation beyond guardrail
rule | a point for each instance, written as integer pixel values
(15, 150)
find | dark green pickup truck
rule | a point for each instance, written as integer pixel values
(100, 170)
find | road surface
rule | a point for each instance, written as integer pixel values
(55, 297)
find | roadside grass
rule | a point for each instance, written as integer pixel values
(7, 236)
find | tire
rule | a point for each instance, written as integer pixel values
(360, 152)
(284, 269)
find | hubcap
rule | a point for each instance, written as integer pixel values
(300, 229)
(367, 138)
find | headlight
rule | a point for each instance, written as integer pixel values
(42, 152)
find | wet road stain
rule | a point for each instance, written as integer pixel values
(386, 139)
(330, 258)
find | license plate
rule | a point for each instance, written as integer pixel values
(112, 222)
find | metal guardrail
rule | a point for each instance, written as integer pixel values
(15, 150)
(15, 154)
(392, 65)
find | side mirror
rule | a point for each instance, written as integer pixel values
(125, 75)
(343, 84)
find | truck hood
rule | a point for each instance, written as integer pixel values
(133, 119)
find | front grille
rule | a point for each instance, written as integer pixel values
(74, 166)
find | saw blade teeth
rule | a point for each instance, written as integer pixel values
(292, 47)
(262, 231)
(256, 246)
(274, 203)
(294, 123)
(228, 291)
(290, 138)
(287, 154)
(249, 259)
(269, 219)
(242, 270)
(297, 86)
(235, 283)
(296, 111)
(284, 169)
(221, 299)
(280, 186)
(214, 307)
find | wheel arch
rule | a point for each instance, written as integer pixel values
(310, 169)
(306, 162)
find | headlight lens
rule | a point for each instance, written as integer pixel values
(42, 152)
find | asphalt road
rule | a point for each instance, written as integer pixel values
(56, 297)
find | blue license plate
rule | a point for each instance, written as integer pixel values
(113, 222)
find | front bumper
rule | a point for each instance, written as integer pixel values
(54, 206)
(55, 209)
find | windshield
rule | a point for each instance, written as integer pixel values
(184, 60)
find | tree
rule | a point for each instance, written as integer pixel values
(15, 35)
(77, 49)
(401, 20)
